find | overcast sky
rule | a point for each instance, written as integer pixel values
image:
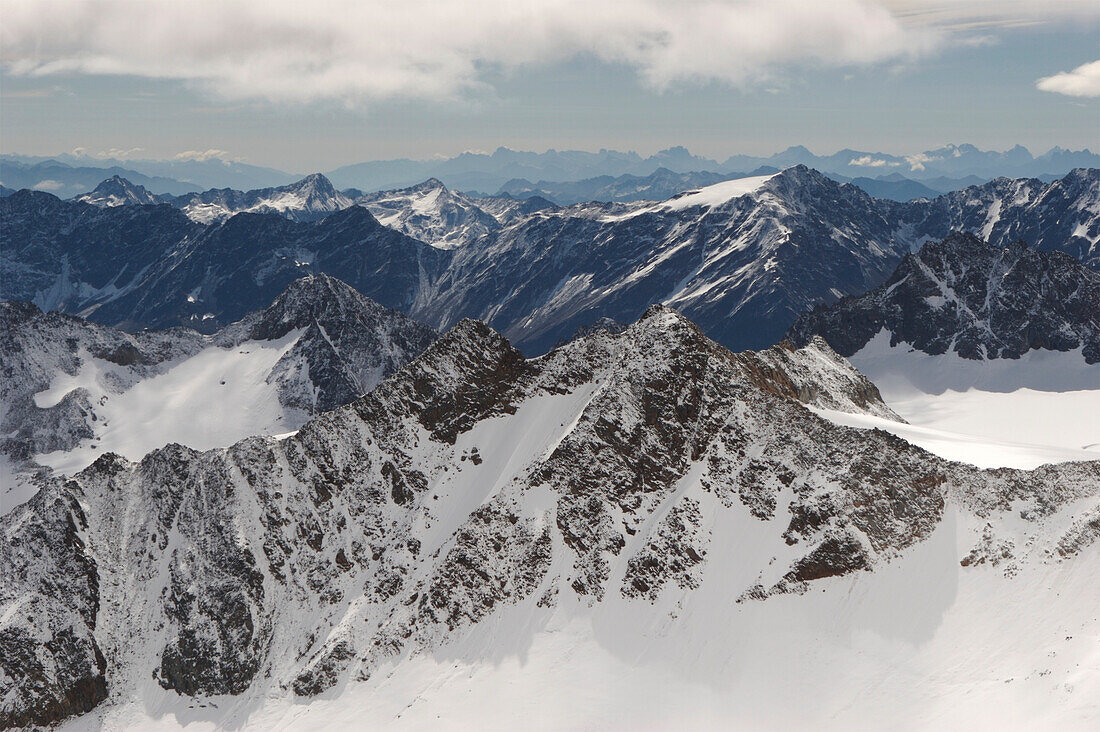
(313, 85)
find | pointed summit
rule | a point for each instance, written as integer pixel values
(429, 185)
(316, 183)
(117, 191)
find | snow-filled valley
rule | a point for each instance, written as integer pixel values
(211, 399)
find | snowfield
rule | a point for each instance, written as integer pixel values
(718, 193)
(1041, 408)
(212, 399)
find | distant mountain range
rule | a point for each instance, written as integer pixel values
(489, 172)
(66, 180)
(741, 257)
(69, 175)
(942, 169)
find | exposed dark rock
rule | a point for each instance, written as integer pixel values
(979, 301)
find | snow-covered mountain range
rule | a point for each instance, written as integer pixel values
(742, 257)
(641, 500)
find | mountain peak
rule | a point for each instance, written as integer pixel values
(314, 183)
(429, 185)
(463, 377)
(307, 300)
(118, 191)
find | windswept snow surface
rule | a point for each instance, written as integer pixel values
(718, 193)
(1041, 408)
(212, 399)
(707, 197)
(965, 447)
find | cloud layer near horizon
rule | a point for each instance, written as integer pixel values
(1083, 81)
(359, 52)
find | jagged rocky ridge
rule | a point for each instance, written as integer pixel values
(473, 481)
(345, 344)
(965, 296)
(742, 260)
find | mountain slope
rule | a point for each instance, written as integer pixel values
(1060, 216)
(741, 257)
(71, 255)
(150, 266)
(633, 473)
(73, 389)
(965, 296)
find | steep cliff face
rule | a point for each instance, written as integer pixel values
(965, 296)
(474, 482)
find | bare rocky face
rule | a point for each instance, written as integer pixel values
(470, 481)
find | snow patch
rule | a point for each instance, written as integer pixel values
(718, 193)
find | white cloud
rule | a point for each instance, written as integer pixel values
(357, 52)
(917, 161)
(976, 16)
(113, 153)
(48, 185)
(1084, 81)
(866, 161)
(203, 155)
